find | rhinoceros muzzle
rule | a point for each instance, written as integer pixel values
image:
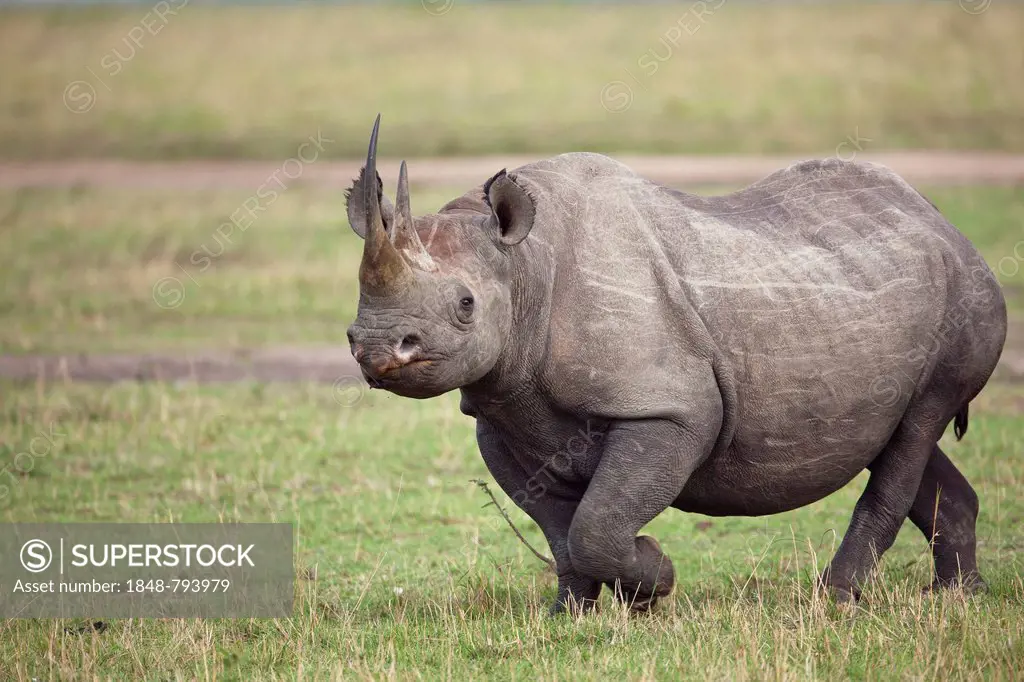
(379, 359)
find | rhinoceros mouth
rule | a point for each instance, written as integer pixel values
(397, 371)
(407, 385)
(396, 377)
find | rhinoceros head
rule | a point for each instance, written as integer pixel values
(432, 320)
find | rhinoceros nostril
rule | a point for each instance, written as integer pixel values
(409, 343)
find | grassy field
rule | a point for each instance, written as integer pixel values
(102, 270)
(403, 572)
(746, 77)
(405, 575)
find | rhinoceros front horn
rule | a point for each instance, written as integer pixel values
(382, 269)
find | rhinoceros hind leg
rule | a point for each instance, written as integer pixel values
(885, 503)
(945, 510)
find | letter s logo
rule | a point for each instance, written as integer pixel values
(36, 556)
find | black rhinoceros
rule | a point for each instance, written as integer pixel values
(625, 347)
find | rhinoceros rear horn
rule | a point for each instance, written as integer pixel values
(406, 239)
(382, 268)
(512, 207)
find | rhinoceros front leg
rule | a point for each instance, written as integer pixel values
(643, 469)
(553, 513)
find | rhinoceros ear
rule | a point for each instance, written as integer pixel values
(512, 207)
(357, 212)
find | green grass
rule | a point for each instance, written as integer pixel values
(405, 575)
(752, 77)
(82, 266)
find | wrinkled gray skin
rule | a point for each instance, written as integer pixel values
(625, 348)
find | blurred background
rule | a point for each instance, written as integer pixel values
(171, 206)
(183, 80)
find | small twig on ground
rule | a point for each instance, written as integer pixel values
(504, 514)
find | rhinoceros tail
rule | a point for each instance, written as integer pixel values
(960, 422)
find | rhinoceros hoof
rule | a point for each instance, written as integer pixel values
(844, 597)
(641, 605)
(656, 565)
(843, 594)
(572, 607)
(971, 583)
(658, 577)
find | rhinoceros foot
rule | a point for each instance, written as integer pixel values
(577, 595)
(970, 583)
(642, 597)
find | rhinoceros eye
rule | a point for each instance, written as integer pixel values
(464, 310)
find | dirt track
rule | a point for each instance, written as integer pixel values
(926, 168)
(319, 365)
